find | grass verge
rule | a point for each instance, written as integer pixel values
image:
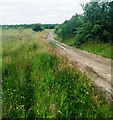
(102, 49)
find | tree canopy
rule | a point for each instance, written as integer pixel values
(37, 27)
(31, 26)
(94, 24)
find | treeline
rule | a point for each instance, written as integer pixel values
(96, 23)
(35, 27)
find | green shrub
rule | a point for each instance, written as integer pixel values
(37, 27)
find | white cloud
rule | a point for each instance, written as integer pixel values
(31, 11)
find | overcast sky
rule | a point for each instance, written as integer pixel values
(38, 11)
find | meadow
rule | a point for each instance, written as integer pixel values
(37, 83)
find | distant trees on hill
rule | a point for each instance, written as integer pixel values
(35, 27)
(94, 24)
(49, 26)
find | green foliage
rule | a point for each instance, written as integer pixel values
(33, 46)
(49, 26)
(103, 49)
(97, 21)
(37, 27)
(39, 84)
(94, 24)
(45, 26)
(69, 28)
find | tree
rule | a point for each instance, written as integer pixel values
(94, 24)
(69, 28)
(37, 27)
(97, 19)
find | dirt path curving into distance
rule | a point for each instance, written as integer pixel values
(96, 67)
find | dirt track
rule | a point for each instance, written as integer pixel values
(96, 67)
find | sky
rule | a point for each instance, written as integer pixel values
(38, 11)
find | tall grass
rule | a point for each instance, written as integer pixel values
(103, 49)
(39, 84)
(99, 48)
